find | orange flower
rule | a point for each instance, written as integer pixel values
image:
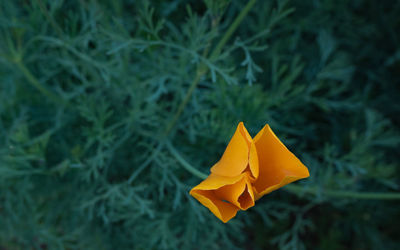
(248, 169)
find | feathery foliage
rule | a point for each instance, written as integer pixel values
(102, 101)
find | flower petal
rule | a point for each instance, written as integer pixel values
(253, 160)
(239, 194)
(223, 210)
(224, 196)
(245, 133)
(236, 156)
(277, 165)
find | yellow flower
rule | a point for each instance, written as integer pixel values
(248, 169)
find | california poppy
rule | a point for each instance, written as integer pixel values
(248, 169)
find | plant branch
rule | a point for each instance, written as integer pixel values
(232, 28)
(35, 83)
(49, 17)
(202, 70)
(295, 189)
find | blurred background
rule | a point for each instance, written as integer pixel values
(101, 102)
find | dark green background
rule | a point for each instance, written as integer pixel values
(89, 91)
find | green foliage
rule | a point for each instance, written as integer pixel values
(90, 95)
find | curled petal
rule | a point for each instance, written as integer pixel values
(253, 161)
(277, 165)
(236, 156)
(224, 196)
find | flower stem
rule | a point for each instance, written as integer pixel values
(232, 28)
(184, 102)
(202, 70)
(184, 163)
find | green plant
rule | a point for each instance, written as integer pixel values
(106, 105)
